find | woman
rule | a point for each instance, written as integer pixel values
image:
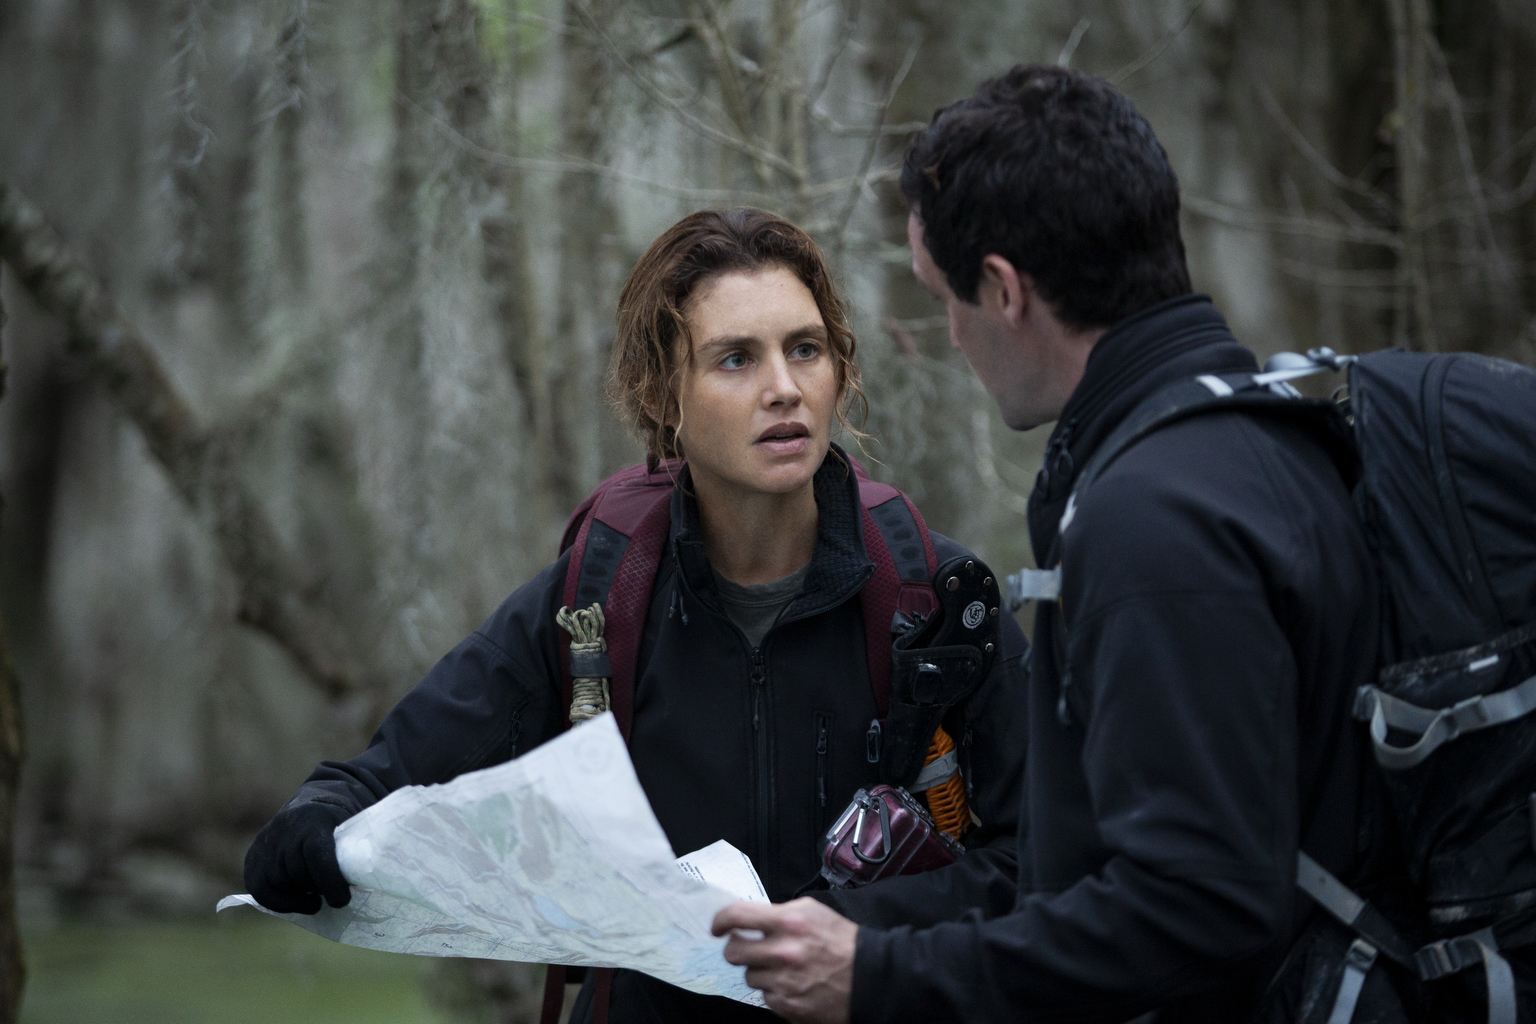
(752, 695)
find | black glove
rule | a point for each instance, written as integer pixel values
(292, 861)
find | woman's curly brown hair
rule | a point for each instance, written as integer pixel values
(653, 347)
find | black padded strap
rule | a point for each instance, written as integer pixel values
(599, 564)
(902, 539)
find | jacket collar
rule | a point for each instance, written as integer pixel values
(1179, 338)
(839, 564)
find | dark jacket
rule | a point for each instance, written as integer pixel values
(726, 739)
(1218, 611)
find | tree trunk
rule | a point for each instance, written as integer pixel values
(505, 236)
(13, 968)
(185, 186)
(288, 125)
(275, 592)
(1410, 52)
(587, 220)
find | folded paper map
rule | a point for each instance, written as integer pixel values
(555, 857)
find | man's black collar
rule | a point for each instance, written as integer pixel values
(1181, 337)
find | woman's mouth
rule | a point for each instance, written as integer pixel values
(785, 438)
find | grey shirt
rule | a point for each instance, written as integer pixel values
(756, 607)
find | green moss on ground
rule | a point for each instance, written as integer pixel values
(236, 969)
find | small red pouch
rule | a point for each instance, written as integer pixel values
(884, 832)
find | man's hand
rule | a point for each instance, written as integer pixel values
(292, 863)
(804, 961)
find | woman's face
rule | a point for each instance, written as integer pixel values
(758, 402)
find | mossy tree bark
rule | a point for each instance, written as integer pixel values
(13, 968)
(275, 591)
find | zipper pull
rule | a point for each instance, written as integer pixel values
(872, 742)
(1063, 706)
(821, 761)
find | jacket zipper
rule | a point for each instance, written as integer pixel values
(823, 726)
(760, 751)
(1058, 460)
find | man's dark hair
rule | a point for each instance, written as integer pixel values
(1058, 173)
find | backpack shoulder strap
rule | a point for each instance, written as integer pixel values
(616, 538)
(897, 541)
(1208, 393)
(1260, 394)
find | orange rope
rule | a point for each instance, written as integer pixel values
(946, 802)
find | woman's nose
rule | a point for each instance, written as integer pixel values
(781, 386)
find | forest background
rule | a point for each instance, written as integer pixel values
(308, 305)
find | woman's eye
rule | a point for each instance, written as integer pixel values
(734, 361)
(805, 350)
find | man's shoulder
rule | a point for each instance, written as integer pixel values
(1221, 501)
(1229, 462)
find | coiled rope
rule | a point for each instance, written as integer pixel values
(946, 801)
(589, 694)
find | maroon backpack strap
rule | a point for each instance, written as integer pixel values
(615, 551)
(616, 538)
(554, 994)
(897, 541)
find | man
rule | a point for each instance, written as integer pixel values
(1187, 729)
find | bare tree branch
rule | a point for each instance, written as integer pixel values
(1410, 29)
(13, 967)
(1064, 58)
(1157, 50)
(874, 139)
(1286, 224)
(727, 62)
(655, 92)
(1452, 98)
(986, 464)
(834, 127)
(850, 23)
(901, 336)
(1331, 174)
(708, 195)
(276, 596)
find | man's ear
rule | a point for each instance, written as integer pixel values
(1007, 291)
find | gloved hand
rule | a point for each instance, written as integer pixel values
(292, 861)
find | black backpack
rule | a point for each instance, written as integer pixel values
(1441, 452)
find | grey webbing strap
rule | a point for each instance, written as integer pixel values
(1330, 893)
(1350, 909)
(1357, 964)
(1435, 728)
(936, 772)
(1033, 585)
(1449, 956)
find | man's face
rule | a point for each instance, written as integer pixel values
(1006, 348)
